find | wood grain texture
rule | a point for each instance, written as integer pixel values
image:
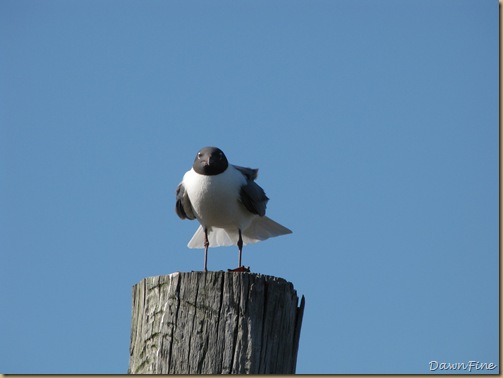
(215, 323)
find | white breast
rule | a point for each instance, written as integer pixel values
(215, 199)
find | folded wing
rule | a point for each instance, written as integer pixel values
(183, 206)
(251, 195)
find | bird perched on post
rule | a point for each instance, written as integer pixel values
(227, 202)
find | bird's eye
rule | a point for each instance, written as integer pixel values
(199, 155)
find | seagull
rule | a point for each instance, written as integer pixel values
(227, 202)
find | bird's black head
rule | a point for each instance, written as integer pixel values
(210, 161)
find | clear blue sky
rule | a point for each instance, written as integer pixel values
(375, 128)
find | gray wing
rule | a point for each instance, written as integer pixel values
(183, 205)
(252, 196)
(250, 173)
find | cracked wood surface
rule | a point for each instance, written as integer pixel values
(214, 323)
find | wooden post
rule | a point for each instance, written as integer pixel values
(215, 323)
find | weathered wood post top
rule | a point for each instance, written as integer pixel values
(214, 323)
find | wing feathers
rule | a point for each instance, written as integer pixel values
(250, 173)
(252, 196)
(183, 206)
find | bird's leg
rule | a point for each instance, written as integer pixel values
(240, 246)
(206, 245)
(240, 268)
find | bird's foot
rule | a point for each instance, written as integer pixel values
(240, 269)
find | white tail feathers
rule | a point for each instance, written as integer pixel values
(261, 228)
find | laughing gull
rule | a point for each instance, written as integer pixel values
(226, 201)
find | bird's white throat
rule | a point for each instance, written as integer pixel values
(215, 199)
